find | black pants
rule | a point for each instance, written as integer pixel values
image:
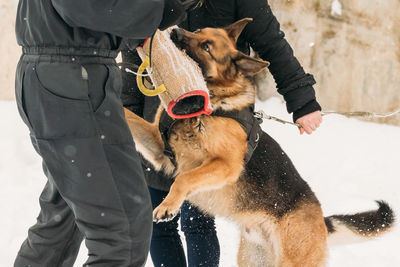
(95, 189)
(201, 238)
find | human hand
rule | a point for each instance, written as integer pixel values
(175, 12)
(310, 122)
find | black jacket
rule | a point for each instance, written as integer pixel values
(263, 35)
(85, 26)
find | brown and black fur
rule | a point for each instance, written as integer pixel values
(280, 217)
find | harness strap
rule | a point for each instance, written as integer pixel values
(249, 123)
(245, 117)
(165, 125)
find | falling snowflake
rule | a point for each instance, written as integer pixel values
(58, 218)
(70, 150)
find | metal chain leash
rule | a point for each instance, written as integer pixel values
(365, 114)
(262, 115)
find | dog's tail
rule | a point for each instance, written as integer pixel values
(344, 229)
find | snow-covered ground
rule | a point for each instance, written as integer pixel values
(348, 163)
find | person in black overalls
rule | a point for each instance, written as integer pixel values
(265, 37)
(68, 93)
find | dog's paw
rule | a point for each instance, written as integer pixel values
(164, 213)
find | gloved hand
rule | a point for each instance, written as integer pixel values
(175, 12)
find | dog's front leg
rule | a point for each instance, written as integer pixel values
(213, 174)
(148, 141)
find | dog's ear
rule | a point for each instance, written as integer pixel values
(235, 29)
(248, 65)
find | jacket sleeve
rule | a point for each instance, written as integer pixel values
(132, 19)
(266, 38)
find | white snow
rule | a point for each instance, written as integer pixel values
(348, 163)
(336, 8)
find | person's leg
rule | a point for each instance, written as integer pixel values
(166, 248)
(55, 239)
(76, 120)
(201, 237)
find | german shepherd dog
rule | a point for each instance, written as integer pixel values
(279, 216)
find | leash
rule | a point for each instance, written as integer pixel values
(262, 115)
(365, 114)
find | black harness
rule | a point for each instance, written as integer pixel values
(245, 117)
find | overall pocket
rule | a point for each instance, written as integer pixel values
(19, 93)
(57, 103)
(110, 116)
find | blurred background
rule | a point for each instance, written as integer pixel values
(352, 47)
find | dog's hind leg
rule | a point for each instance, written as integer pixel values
(254, 250)
(250, 254)
(303, 234)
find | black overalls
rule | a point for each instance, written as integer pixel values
(68, 93)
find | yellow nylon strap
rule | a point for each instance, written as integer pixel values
(149, 92)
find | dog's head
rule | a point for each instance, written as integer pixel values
(214, 49)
